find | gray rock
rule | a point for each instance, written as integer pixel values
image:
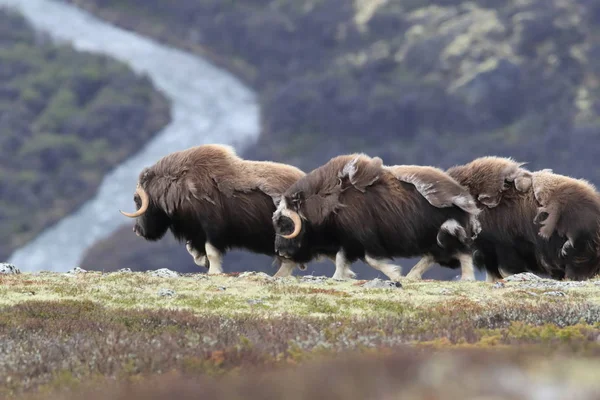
(498, 285)
(446, 291)
(381, 284)
(314, 279)
(164, 273)
(555, 294)
(76, 271)
(222, 288)
(255, 274)
(9, 269)
(166, 293)
(254, 301)
(125, 270)
(523, 277)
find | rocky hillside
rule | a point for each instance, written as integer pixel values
(429, 82)
(66, 118)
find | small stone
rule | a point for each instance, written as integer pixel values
(523, 277)
(166, 293)
(125, 270)
(555, 294)
(164, 273)
(222, 288)
(246, 274)
(380, 284)
(312, 278)
(76, 271)
(253, 302)
(9, 269)
(498, 285)
(445, 291)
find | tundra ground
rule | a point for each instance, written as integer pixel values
(186, 335)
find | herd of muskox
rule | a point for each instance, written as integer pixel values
(490, 213)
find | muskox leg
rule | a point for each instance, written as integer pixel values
(342, 267)
(466, 265)
(286, 268)
(549, 224)
(421, 267)
(568, 245)
(199, 258)
(392, 271)
(215, 259)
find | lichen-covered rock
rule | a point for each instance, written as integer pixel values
(164, 273)
(381, 284)
(9, 269)
(76, 271)
(166, 293)
(125, 270)
(523, 277)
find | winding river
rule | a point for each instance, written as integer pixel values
(209, 105)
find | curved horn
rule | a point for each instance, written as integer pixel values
(145, 203)
(295, 219)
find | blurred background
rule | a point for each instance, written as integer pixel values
(91, 91)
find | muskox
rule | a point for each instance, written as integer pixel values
(508, 238)
(569, 208)
(214, 200)
(355, 207)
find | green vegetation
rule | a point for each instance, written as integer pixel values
(66, 118)
(63, 331)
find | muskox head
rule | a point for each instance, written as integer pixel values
(488, 178)
(289, 227)
(151, 221)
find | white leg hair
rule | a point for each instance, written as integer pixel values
(342, 267)
(569, 244)
(286, 268)
(199, 258)
(466, 266)
(215, 258)
(392, 271)
(420, 268)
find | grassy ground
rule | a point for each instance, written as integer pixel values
(75, 332)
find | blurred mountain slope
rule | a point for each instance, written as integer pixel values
(66, 118)
(429, 82)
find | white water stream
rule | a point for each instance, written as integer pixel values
(209, 105)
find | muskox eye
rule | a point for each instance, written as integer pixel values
(506, 185)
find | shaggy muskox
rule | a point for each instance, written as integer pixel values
(569, 208)
(507, 241)
(214, 200)
(356, 208)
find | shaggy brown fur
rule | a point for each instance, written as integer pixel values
(487, 178)
(568, 205)
(509, 238)
(354, 204)
(214, 200)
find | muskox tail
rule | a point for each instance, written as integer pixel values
(453, 235)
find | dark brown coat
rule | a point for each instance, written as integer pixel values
(355, 204)
(207, 194)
